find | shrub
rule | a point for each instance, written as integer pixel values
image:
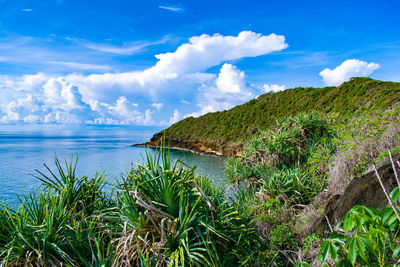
(163, 214)
(282, 237)
(275, 159)
(294, 184)
(370, 239)
(57, 225)
(360, 141)
(174, 217)
(242, 122)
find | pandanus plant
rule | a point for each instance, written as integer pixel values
(61, 223)
(173, 217)
(161, 212)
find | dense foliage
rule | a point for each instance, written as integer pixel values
(176, 218)
(163, 214)
(241, 122)
(277, 158)
(287, 166)
(369, 237)
(275, 166)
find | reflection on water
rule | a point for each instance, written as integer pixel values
(21, 154)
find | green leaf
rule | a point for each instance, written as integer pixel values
(329, 249)
(359, 217)
(303, 264)
(349, 223)
(395, 194)
(386, 213)
(378, 236)
(396, 251)
(336, 235)
(343, 263)
(391, 219)
(356, 248)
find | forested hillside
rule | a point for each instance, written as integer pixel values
(222, 131)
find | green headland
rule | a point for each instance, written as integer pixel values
(306, 174)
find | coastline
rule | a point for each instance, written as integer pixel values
(214, 148)
(214, 154)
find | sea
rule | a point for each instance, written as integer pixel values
(23, 153)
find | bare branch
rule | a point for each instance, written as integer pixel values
(209, 203)
(329, 224)
(386, 192)
(394, 168)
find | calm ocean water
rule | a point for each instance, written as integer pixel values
(22, 153)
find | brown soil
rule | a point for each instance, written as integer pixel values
(214, 147)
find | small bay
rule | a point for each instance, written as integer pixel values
(110, 151)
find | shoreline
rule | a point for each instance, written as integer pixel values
(203, 153)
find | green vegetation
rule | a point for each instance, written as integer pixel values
(61, 223)
(370, 238)
(183, 219)
(302, 147)
(163, 214)
(298, 164)
(242, 122)
(275, 165)
(277, 158)
(367, 236)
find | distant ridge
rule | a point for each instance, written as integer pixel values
(223, 132)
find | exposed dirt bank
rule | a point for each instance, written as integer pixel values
(215, 147)
(364, 190)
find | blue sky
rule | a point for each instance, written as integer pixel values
(152, 63)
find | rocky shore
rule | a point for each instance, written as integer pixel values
(209, 148)
(181, 148)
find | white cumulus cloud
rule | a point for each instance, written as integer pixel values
(180, 69)
(228, 90)
(148, 120)
(122, 112)
(206, 51)
(111, 98)
(56, 102)
(176, 117)
(273, 88)
(230, 79)
(60, 93)
(61, 102)
(346, 70)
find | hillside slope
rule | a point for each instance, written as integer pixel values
(223, 132)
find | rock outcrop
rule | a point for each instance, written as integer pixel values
(364, 190)
(215, 147)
